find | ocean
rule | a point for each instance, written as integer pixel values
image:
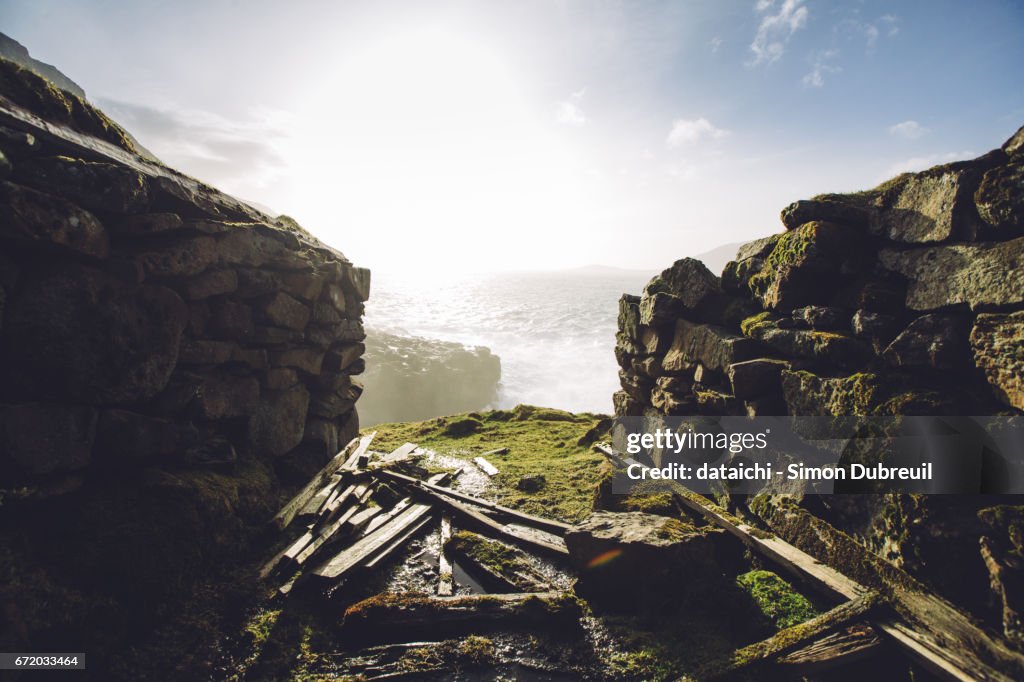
(554, 331)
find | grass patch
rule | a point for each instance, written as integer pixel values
(777, 599)
(540, 441)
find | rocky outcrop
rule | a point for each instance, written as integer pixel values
(905, 299)
(897, 300)
(168, 357)
(412, 378)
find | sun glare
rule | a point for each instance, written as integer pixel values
(426, 144)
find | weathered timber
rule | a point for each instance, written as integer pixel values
(485, 524)
(341, 460)
(385, 552)
(498, 567)
(405, 615)
(446, 581)
(325, 535)
(485, 466)
(400, 453)
(549, 525)
(932, 631)
(497, 451)
(366, 547)
(359, 492)
(795, 637)
(317, 502)
(850, 644)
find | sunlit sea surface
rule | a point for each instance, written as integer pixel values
(554, 331)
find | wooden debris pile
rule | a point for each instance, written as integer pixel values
(363, 507)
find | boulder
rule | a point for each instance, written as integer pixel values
(689, 281)
(827, 208)
(821, 347)
(979, 275)
(185, 258)
(823, 317)
(321, 437)
(222, 395)
(36, 219)
(211, 283)
(933, 206)
(108, 187)
(630, 556)
(758, 248)
(308, 360)
(77, 333)
(659, 309)
(711, 346)
(1000, 200)
(358, 281)
(338, 402)
(280, 421)
(282, 310)
(45, 438)
(876, 327)
(933, 340)
(753, 378)
(147, 224)
(803, 265)
(810, 395)
(997, 342)
(629, 315)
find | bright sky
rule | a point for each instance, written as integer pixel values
(540, 134)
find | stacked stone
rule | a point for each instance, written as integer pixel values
(905, 299)
(149, 320)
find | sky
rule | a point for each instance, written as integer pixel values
(469, 136)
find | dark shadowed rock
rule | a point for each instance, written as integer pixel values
(809, 395)
(630, 556)
(752, 378)
(46, 438)
(80, 334)
(934, 340)
(979, 275)
(284, 311)
(36, 219)
(280, 421)
(125, 436)
(998, 345)
(1015, 145)
(222, 395)
(96, 186)
(186, 258)
(876, 327)
(211, 283)
(712, 346)
(823, 317)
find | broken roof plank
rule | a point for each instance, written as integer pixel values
(341, 460)
(485, 466)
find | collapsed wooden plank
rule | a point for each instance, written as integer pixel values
(485, 524)
(350, 453)
(495, 452)
(485, 466)
(446, 581)
(317, 502)
(400, 453)
(395, 617)
(848, 645)
(793, 638)
(549, 525)
(367, 546)
(399, 542)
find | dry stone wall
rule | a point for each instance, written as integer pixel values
(169, 356)
(905, 299)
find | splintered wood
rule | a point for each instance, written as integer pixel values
(352, 525)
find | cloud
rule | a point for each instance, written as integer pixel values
(816, 77)
(910, 130)
(920, 163)
(568, 111)
(715, 43)
(871, 33)
(891, 23)
(687, 131)
(776, 28)
(240, 156)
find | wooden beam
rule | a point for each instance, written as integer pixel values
(446, 582)
(849, 645)
(485, 466)
(549, 525)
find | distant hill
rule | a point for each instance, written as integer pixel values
(717, 257)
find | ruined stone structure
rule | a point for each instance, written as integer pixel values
(905, 299)
(168, 357)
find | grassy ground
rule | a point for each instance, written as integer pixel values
(540, 441)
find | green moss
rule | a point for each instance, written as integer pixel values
(654, 503)
(537, 445)
(496, 556)
(776, 598)
(754, 325)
